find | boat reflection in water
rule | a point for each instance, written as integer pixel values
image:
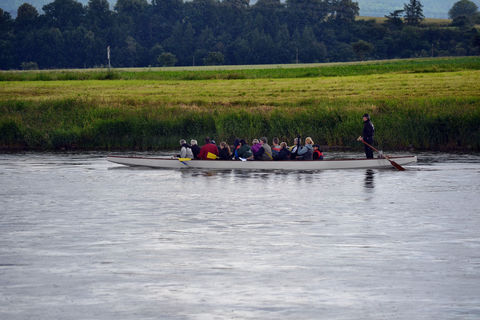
(369, 179)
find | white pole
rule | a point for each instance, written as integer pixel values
(108, 57)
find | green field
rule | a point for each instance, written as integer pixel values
(426, 21)
(422, 65)
(425, 104)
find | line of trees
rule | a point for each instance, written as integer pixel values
(208, 32)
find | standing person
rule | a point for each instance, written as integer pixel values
(265, 151)
(195, 148)
(224, 152)
(185, 151)
(367, 135)
(208, 148)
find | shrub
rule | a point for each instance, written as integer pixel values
(10, 133)
(30, 65)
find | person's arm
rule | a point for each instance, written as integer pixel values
(302, 151)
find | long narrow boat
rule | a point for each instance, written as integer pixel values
(173, 163)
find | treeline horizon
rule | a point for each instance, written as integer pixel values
(212, 32)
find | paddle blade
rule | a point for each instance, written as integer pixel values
(396, 165)
(211, 156)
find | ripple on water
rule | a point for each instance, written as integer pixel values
(83, 238)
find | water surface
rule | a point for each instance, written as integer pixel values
(81, 238)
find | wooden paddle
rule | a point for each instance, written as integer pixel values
(396, 165)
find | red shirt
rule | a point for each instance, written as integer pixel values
(209, 147)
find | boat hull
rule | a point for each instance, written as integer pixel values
(169, 163)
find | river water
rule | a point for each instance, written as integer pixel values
(81, 238)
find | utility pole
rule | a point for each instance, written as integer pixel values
(108, 57)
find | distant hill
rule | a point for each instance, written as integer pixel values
(431, 8)
(372, 8)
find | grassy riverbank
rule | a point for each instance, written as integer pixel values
(424, 104)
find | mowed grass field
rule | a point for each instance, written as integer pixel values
(424, 104)
(251, 92)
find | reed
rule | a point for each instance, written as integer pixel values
(400, 125)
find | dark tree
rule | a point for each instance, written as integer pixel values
(268, 5)
(241, 4)
(413, 13)
(214, 58)
(64, 14)
(167, 59)
(131, 8)
(6, 41)
(27, 17)
(394, 19)
(98, 15)
(310, 50)
(196, 32)
(203, 13)
(6, 21)
(464, 8)
(344, 11)
(307, 12)
(362, 49)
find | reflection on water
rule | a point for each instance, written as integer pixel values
(369, 179)
(81, 238)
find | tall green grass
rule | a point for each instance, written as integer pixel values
(432, 124)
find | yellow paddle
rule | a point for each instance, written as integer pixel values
(212, 156)
(184, 160)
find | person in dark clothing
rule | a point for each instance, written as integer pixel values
(236, 146)
(284, 153)
(195, 148)
(294, 148)
(224, 152)
(244, 152)
(317, 153)
(367, 135)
